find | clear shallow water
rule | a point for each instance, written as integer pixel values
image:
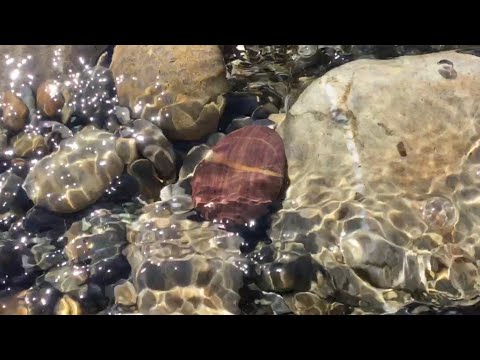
(97, 208)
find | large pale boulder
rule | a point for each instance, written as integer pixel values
(384, 165)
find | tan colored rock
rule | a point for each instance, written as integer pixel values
(50, 100)
(27, 145)
(176, 87)
(383, 162)
(125, 294)
(68, 306)
(15, 112)
(77, 174)
(277, 118)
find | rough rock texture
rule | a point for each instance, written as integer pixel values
(175, 86)
(181, 266)
(43, 61)
(384, 158)
(77, 174)
(241, 176)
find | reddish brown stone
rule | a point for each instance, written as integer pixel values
(15, 112)
(241, 176)
(50, 101)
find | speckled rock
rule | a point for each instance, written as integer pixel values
(178, 87)
(383, 162)
(77, 174)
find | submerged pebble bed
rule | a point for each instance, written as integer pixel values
(239, 179)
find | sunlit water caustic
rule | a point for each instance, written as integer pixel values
(239, 179)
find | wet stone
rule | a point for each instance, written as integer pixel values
(28, 145)
(67, 306)
(90, 298)
(42, 299)
(177, 87)
(91, 98)
(154, 146)
(123, 115)
(125, 294)
(47, 256)
(67, 278)
(238, 123)
(77, 174)
(241, 176)
(10, 184)
(15, 112)
(146, 176)
(50, 100)
(182, 266)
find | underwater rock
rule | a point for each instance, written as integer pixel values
(66, 278)
(50, 100)
(123, 115)
(125, 294)
(213, 139)
(10, 184)
(98, 240)
(241, 176)
(155, 147)
(28, 145)
(20, 167)
(77, 174)
(15, 112)
(192, 159)
(42, 299)
(98, 236)
(238, 123)
(383, 164)
(44, 62)
(127, 150)
(144, 172)
(47, 256)
(277, 118)
(67, 306)
(90, 98)
(177, 87)
(181, 266)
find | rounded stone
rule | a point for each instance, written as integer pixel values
(15, 112)
(50, 100)
(77, 174)
(241, 176)
(125, 294)
(177, 87)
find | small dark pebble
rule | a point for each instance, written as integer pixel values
(237, 105)
(91, 298)
(122, 189)
(109, 271)
(264, 111)
(38, 220)
(238, 123)
(41, 299)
